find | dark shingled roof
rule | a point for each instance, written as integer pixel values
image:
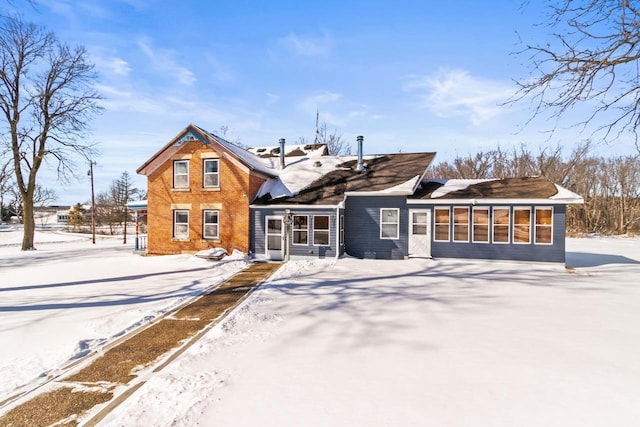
(382, 172)
(507, 188)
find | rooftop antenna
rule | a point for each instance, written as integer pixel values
(315, 141)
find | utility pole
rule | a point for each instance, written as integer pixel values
(93, 204)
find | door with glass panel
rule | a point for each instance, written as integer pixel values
(420, 233)
(274, 238)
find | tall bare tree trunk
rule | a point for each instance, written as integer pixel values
(28, 223)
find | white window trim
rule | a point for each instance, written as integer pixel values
(535, 225)
(175, 213)
(313, 230)
(204, 213)
(473, 224)
(397, 223)
(435, 224)
(204, 173)
(494, 225)
(513, 222)
(453, 228)
(175, 173)
(293, 230)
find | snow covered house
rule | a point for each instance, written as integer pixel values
(275, 202)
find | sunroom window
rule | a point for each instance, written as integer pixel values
(460, 224)
(521, 225)
(442, 222)
(501, 222)
(544, 225)
(480, 225)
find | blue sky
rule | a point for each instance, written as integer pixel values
(408, 75)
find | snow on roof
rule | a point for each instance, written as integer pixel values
(566, 195)
(245, 156)
(451, 185)
(310, 150)
(299, 174)
(137, 204)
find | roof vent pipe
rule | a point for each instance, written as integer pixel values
(360, 167)
(281, 141)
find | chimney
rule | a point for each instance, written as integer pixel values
(281, 141)
(360, 166)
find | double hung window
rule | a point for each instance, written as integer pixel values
(321, 230)
(180, 174)
(544, 225)
(211, 173)
(211, 224)
(300, 230)
(180, 224)
(389, 223)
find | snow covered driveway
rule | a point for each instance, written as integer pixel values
(419, 342)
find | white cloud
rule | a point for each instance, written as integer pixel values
(112, 65)
(162, 59)
(272, 98)
(307, 45)
(456, 93)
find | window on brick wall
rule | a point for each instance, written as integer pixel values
(180, 174)
(211, 224)
(211, 173)
(181, 224)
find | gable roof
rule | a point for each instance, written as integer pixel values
(192, 133)
(388, 174)
(524, 189)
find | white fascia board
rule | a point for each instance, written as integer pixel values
(378, 193)
(279, 206)
(570, 201)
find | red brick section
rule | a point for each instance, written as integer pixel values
(238, 186)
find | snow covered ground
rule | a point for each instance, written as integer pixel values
(349, 342)
(69, 297)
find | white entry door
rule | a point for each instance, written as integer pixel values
(420, 233)
(274, 238)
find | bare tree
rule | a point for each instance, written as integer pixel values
(47, 99)
(591, 61)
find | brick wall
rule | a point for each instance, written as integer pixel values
(237, 189)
